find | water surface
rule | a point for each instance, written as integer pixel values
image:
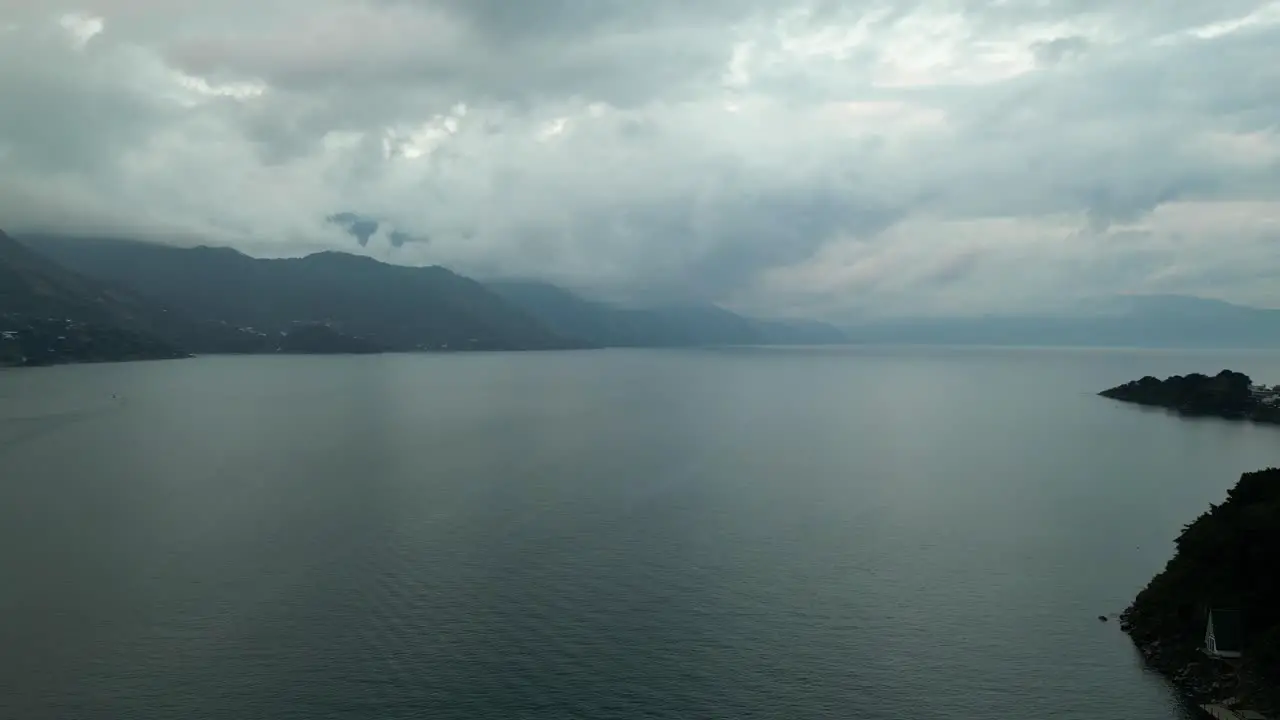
(748, 533)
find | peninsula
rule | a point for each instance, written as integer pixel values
(1210, 621)
(1228, 394)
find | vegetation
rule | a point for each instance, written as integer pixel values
(38, 341)
(49, 315)
(1228, 394)
(323, 340)
(1229, 557)
(249, 300)
(394, 307)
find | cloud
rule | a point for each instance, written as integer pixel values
(81, 28)
(1051, 52)
(784, 156)
(364, 229)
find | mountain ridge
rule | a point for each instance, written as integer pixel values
(217, 299)
(393, 307)
(1157, 321)
(662, 326)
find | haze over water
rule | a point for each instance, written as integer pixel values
(746, 533)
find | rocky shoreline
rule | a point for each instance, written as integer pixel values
(1228, 558)
(1194, 674)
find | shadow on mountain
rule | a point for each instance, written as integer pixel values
(603, 324)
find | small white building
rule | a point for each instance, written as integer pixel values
(1223, 635)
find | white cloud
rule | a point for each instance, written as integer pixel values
(81, 28)
(1268, 14)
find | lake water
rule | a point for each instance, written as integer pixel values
(747, 533)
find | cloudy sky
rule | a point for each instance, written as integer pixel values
(827, 158)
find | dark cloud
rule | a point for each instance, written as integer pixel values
(364, 228)
(357, 226)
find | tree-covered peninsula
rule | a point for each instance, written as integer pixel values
(1228, 394)
(1226, 566)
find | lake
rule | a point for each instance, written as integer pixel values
(739, 533)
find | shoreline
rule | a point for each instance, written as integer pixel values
(1259, 419)
(194, 356)
(1223, 568)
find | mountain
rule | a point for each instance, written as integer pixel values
(801, 332)
(49, 314)
(602, 324)
(1162, 321)
(35, 286)
(563, 312)
(389, 307)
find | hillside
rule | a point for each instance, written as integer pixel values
(391, 307)
(1226, 559)
(603, 324)
(51, 315)
(33, 285)
(323, 340)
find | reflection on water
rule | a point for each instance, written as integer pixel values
(822, 533)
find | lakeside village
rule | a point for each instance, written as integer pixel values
(1264, 395)
(27, 341)
(47, 341)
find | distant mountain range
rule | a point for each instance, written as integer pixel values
(1154, 321)
(218, 300)
(131, 299)
(677, 326)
